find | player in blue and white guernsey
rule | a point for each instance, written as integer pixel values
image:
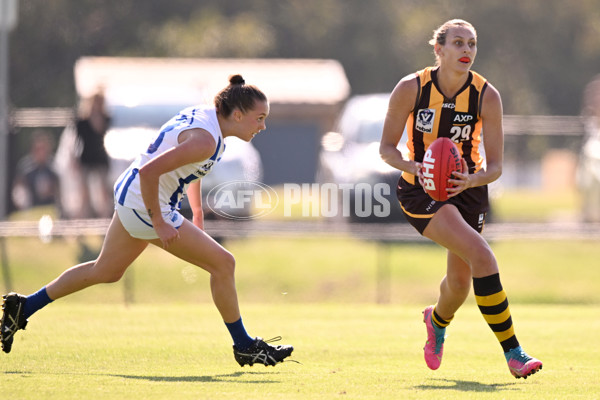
(172, 184)
(147, 200)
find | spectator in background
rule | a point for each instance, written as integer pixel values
(36, 182)
(91, 126)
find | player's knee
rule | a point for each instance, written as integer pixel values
(113, 277)
(229, 263)
(110, 277)
(483, 257)
(226, 265)
(102, 275)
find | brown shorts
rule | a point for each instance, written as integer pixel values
(419, 208)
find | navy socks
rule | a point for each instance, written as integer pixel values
(241, 339)
(35, 302)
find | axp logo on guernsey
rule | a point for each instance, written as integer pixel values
(248, 200)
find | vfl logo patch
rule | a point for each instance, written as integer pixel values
(425, 119)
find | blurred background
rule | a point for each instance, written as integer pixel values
(315, 60)
(542, 55)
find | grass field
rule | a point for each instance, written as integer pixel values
(156, 334)
(531, 205)
(75, 351)
(168, 341)
(314, 270)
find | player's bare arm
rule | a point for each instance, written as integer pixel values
(194, 145)
(194, 194)
(402, 101)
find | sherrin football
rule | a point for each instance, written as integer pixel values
(441, 159)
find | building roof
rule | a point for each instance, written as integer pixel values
(285, 81)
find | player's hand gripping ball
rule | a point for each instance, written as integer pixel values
(442, 158)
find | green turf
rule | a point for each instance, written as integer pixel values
(76, 351)
(336, 269)
(530, 205)
(319, 293)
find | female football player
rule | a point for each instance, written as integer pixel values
(449, 100)
(147, 198)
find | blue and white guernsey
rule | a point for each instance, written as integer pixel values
(173, 184)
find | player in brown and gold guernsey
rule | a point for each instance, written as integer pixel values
(449, 100)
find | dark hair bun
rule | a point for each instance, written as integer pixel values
(236, 80)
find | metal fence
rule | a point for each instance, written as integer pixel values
(384, 235)
(379, 232)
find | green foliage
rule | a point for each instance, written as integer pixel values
(529, 50)
(180, 352)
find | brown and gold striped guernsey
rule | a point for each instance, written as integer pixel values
(436, 116)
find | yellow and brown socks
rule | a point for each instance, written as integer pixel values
(438, 322)
(493, 304)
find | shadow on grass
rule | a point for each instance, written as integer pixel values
(191, 378)
(467, 386)
(205, 378)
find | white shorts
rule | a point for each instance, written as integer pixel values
(139, 225)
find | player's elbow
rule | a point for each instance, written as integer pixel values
(499, 172)
(494, 171)
(384, 151)
(146, 172)
(148, 175)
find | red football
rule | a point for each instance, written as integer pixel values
(441, 159)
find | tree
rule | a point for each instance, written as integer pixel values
(539, 53)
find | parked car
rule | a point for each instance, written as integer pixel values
(350, 155)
